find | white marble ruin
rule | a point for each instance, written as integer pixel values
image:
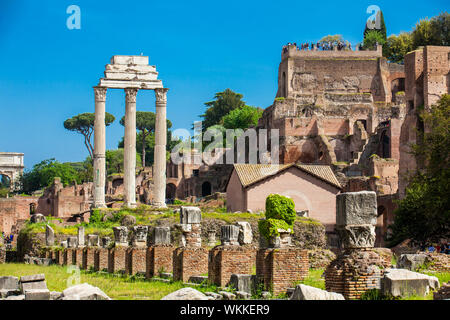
(131, 73)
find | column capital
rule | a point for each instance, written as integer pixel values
(130, 94)
(100, 93)
(161, 94)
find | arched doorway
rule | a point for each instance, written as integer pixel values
(206, 189)
(5, 185)
(171, 191)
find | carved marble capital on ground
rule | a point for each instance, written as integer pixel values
(357, 236)
(130, 95)
(100, 94)
(161, 95)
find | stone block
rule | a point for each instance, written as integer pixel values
(189, 215)
(72, 242)
(160, 236)
(32, 278)
(37, 218)
(93, 240)
(37, 294)
(198, 279)
(9, 283)
(4, 293)
(356, 208)
(129, 60)
(106, 241)
(84, 292)
(245, 232)
(140, 236)
(357, 236)
(242, 282)
(403, 283)
(304, 292)
(229, 235)
(120, 236)
(186, 294)
(411, 261)
(49, 236)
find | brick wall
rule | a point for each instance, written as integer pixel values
(117, 259)
(189, 261)
(223, 261)
(159, 258)
(101, 257)
(88, 258)
(136, 261)
(279, 269)
(78, 257)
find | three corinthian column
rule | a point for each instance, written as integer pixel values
(159, 172)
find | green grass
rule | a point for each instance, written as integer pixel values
(314, 279)
(117, 287)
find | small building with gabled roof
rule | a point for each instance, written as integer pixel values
(312, 187)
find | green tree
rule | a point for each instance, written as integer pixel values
(381, 29)
(422, 35)
(334, 39)
(224, 102)
(114, 161)
(84, 124)
(440, 29)
(424, 214)
(372, 38)
(397, 47)
(145, 123)
(242, 118)
(43, 174)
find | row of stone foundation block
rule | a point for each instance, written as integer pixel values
(276, 269)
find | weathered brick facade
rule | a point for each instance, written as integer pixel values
(136, 261)
(223, 261)
(78, 257)
(88, 258)
(189, 261)
(159, 258)
(101, 257)
(355, 272)
(278, 269)
(117, 259)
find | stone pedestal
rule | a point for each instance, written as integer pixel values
(160, 236)
(101, 257)
(117, 259)
(225, 260)
(354, 272)
(278, 269)
(229, 235)
(189, 261)
(140, 236)
(136, 261)
(120, 236)
(49, 236)
(159, 259)
(78, 259)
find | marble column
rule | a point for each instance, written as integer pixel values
(159, 172)
(99, 148)
(129, 152)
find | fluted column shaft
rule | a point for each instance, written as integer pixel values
(129, 154)
(159, 172)
(99, 148)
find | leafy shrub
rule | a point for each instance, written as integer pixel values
(280, 207)
(268, 228)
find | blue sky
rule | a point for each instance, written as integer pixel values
(199, 48)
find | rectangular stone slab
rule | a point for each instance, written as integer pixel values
(356, 208)
(32, 278)
(141, 60)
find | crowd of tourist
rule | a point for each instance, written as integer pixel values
(7, 239)
(323, 46)
(437, 248)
